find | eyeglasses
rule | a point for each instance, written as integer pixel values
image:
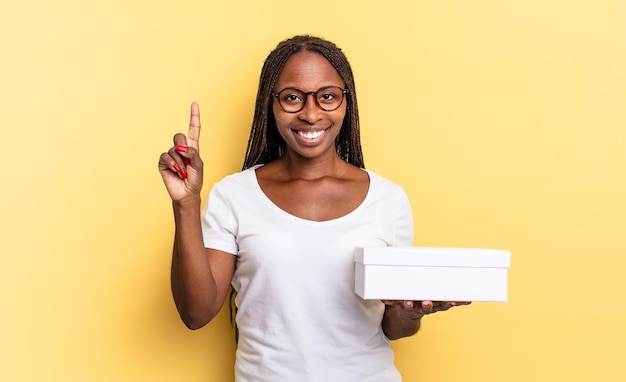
(328, 98)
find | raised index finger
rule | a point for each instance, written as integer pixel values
(194, 126)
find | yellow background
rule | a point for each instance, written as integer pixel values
(505, 122)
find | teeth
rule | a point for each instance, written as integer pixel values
(311, 134)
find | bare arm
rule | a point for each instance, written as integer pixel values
(200, 277)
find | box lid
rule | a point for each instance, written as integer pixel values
(433, 256)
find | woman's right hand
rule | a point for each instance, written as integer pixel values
(181, 166)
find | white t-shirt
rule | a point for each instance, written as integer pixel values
(299, 319)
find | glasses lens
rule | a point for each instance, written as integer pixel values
(329, 98)
(292, 100)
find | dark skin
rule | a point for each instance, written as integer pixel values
(403, 318)
(309, 181)
(200, 277)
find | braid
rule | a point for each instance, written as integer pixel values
(265, 143)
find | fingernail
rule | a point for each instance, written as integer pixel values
(176, 168)
(186, 161)
(183, 173)
(408, 304)
(427, 305)
(451, 304)
(181, 148)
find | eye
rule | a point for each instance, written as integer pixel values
(329, 96)
(291, 98)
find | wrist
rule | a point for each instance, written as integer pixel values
(189, 203)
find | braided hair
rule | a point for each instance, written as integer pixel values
(265, 143)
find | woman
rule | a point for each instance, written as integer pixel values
(283, 231)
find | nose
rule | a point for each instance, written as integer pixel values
(311, 112)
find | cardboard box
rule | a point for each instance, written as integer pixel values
(436, 274)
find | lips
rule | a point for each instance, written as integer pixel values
(310, 134)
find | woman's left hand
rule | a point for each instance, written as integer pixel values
(425, 307)
(402, 318)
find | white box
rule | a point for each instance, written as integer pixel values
(428, 273)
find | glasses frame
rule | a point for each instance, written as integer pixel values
(306, 97)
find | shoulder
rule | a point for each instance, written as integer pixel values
(387, 192)
(234, 186)
(235, 192)
(236, 179)
(380, 183)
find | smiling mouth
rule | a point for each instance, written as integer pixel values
(311, 134)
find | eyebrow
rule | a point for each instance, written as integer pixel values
(312, 91)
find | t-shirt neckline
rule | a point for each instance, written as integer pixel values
(273, 206)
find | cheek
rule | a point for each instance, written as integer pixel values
(279, 117)
(340, 118)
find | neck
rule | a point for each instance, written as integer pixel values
(297, 167)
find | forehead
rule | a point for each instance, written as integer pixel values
(308, 71)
